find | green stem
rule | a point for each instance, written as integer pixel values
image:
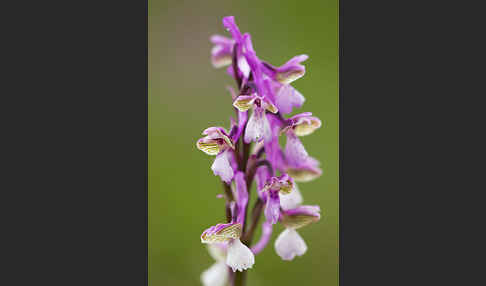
(255, 218)
(240, 278)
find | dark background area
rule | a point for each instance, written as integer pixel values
(74, 194)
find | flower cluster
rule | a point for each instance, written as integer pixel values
(250, 150)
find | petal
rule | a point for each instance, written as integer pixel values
(239, 256)
(300, 216)
(283, 184)
(295, 152)
(291, 200)
(290, 244)
(243, 66)
(287, 98)
(220, 57)
(221, 53)
(230, 25)
(221, 167)
(272, 209)
(221, 40)
(217, 251)
(305, 210)
(232, 160)
(306, 126)
(254, 63)
(291, 70)
(219, 134)
(222, 232)
(306, 171)
(209, 146)
(244, 102)
(270, 106)
(216, 275)
(258, 127)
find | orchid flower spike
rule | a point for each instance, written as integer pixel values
(239, 256)
(289, 243)
(251, 151)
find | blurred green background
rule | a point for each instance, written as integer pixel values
(187, 95)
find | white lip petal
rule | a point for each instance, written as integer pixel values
(244, 67)
(222, 167)
(291, 200)
(239, 256)
(290, 244)
(257, 127)
(216, 275)
(217, 251)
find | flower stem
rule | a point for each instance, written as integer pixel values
(255, 218)
(240, 278)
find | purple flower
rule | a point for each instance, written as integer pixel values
(258, 127)
(287, 97)
(300, 216)
(283, 184)
(302, 124)
(215, 141)
(222, 50)
(218, 142)
(230, 25)
(288, 72)
(300, 165)
(279, 79)
(295, 152)
(239, 256)
(289, 243)
(222, 232)
(305, 171)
